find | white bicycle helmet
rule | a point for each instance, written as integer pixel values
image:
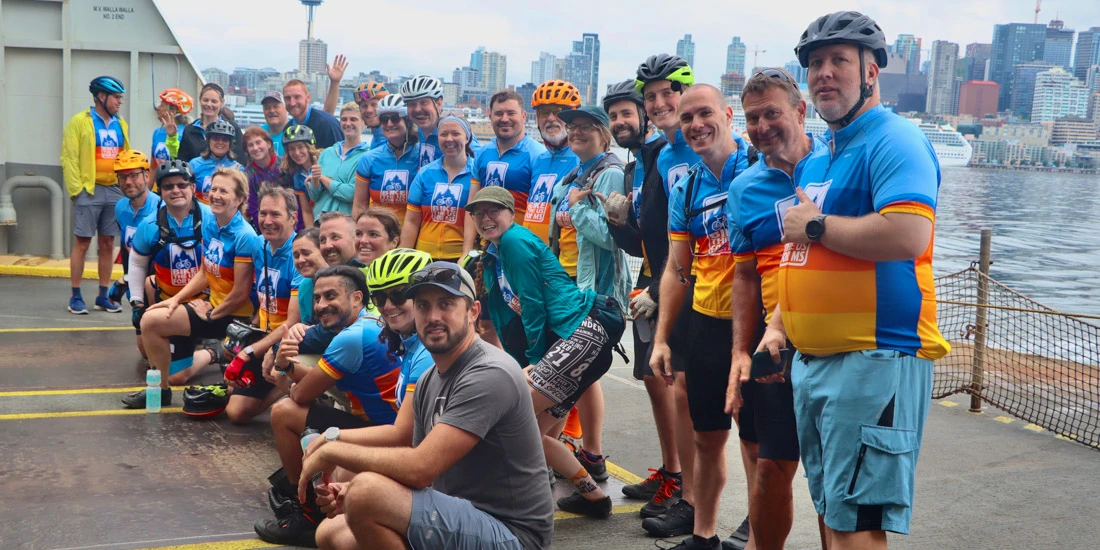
(393, 103)
(421, 86)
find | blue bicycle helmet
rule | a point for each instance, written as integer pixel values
(106, 84)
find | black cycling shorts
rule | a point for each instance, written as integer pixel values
(571, 365)
(260, 386)
(707, 370)
(201, 328)
(767, 418)
(321, 417)
(680, 340)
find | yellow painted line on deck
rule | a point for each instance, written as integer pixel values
(53, 271)
(247, 544)
(1033, 428)
(1005, 419)
(620, 509)
(948, 404)
(76, 391)
(59, 329)
(78, 414)
(622, 474)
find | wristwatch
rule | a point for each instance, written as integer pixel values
(815, 228)
(331, 434)
(251, 353)
(208, 312)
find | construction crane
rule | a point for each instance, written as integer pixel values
(755, 52)
(1038, 8)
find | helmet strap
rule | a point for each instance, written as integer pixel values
(865, 92)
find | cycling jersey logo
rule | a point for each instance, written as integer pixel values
(781, 207)
(160, 152)
(562, 216)
(108, 143)
(675, 174)
(204, 186)
(395, 187)
(445, 201)
(817, 192)
(269, 284)
(184, 265)
(715, 228)
(212, 256)
(796, 255)
(539, 200)
(128, 239)
(495, 174)
(427, 154)
(510, 296)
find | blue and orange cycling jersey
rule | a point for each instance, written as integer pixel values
(377, 139)
(429, 147)
(757, 199)
(388, 177)
(357, 360)
(674, 161)
(416, 361)
(222, 249)
(513, 169)
(159, 151)
(440, 201)
(204, 168)
(173, 265)
(109, 142)
(128, 219)
(549, 168)
(707, 232)
(832, 303)
(276, 279)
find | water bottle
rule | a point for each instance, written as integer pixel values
(152, 391)
(307, 437)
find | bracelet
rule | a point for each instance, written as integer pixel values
(208, 312)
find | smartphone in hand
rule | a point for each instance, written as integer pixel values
(763, 366)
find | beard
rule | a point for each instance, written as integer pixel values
(631, 142)
(555, 143)
(453, 340)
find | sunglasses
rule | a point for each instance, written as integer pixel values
(389, 119)
(171, 186)
(545, 111)
(442, 275)
(775, 73)
(396, 296)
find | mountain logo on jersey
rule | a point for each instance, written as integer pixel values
(675, 174)
(445, 202)
(427, 154)
(715, 227)
(212, 256)
(108, 143)
(561, 215)
(495, 174)
(203, 188)
(798, 254)
(395, 187)
(160, 152)
(538, 202)
(128, 238)
(184, 264)
(268, 289)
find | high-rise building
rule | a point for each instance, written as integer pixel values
(312, 55)
(1094, 107)
(466, 78)
(1014, 43)
(908, 47)
(978, 98)
(589, 47)
(214, 75)
(1088, 52)
(577, 70)
(494, 71)
(1072, 129)
(731, 86)
(941, 78)
(977, 56)
(1023, 86)
(735, 56)
(797, 71)
(1058, 94)
(527, 91)
(685, 48)
(476, 58)
(543, 69)
(1058, 46)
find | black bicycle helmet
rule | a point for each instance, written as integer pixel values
(849, 27)
(106, 84)
(205, 402)
(175, 167)
(221, 128)
(621, 91)
(298, 133)
(664, 67)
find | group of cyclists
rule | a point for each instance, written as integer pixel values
(307, 251)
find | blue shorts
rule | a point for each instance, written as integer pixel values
(860, 419)
(443, 521)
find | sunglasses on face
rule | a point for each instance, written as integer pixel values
(389, 119)
(395, 296)
(171, 186)
(545, 111)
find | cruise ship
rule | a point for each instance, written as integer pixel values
(950, 146)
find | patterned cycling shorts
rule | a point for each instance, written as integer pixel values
(572, 364)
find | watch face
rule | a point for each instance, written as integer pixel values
(332, 433)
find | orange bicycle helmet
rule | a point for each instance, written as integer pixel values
(131, 159)
(556, 92)
(179, 98)
(370, 90)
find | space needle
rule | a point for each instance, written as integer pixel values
(312, 53)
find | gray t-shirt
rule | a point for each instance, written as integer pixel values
(485, 393)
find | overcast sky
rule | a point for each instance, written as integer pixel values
(436, 36)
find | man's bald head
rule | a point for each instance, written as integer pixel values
(712, 93)
(705, 120)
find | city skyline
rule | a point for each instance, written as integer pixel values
(271, 41)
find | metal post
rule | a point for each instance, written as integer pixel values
(977, 371)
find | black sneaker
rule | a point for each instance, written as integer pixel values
(664, 498)
(577, 504)
(679, 520)
(295, 530)
(281, 504)
(597, 469)
(136, 400)
(648, 487)
(739, 538)
(691, 543)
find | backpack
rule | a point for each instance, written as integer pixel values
(168, 236)
(689, 193)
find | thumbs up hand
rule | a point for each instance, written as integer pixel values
(794, 221)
